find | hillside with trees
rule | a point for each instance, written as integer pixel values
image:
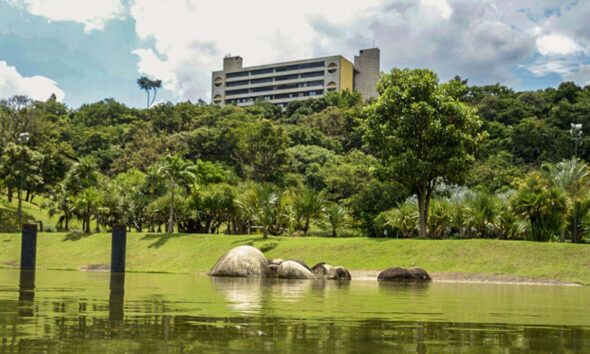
(428, 159)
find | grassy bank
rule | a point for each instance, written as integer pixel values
(197, 253)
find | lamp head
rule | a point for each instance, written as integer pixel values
(23, 138)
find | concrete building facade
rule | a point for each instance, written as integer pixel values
(281, 83)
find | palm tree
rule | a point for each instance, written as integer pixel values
(542, 203)
(337, 216)
(86, 205)
(83, 175)
(176, 171)
(308, 204)
(148, 86)
(403, 219)
(60, 202)
(481, 212)
(573, 177)
(265, 204)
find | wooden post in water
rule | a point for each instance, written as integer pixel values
(118, 246)
(28, 250)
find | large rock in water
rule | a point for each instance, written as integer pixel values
(402, 274)
(326, 271)
(294, 270)
(242, 261)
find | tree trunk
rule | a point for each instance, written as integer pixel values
(171, 216)
(562, 236)
(306, 227)
(87, 230)
(334, 231)
(28, 196)
(575, 225)
(20, 207)
(9, 194)
(423, 213)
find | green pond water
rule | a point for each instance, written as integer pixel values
(84, 312)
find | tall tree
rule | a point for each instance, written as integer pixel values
(149, 86)
(176, 171)
(421, 132)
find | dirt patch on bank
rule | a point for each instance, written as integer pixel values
(95, 268)
(456, 277)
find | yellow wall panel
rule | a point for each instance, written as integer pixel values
(346, 74)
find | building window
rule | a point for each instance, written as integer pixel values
(262, 71)
(237, 74)
(217, 99)
(236, 92)
(262, 89)
(237, 83)
(313, 74)
(315, 64)
(286, 77)
(287, 68)
(218, 81)
(260, 81)
(313, 83)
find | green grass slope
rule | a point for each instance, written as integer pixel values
(197, 253)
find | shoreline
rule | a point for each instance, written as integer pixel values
(474, 261)
(363, 275)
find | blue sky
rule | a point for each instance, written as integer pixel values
(87, 50)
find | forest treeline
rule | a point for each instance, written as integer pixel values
(326, 163)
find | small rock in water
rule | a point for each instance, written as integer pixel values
(402, 274)
(326, 271)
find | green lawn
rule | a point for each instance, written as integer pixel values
(197, 253)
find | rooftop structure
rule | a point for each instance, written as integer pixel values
(281, 83)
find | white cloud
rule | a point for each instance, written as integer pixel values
(191, 37)
(545, 67)
(37, 87)
(93, 14)
(557, 44)
(483, 40)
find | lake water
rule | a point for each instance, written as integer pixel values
(83, 312)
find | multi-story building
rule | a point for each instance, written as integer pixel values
(281, 83)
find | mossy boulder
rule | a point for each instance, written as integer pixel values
(294, 270)
(242, 261)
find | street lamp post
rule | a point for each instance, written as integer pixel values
(576, 133)
(23, 138)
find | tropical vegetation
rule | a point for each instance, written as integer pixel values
(427, 159)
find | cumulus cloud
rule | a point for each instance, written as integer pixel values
(557, 44)
(91, 13)
(483, 40)
(37, 87)
(191, 37)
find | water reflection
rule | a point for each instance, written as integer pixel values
(26, 292)
(414, 287)
(171, 313)
(117, 297)
(242, 294)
